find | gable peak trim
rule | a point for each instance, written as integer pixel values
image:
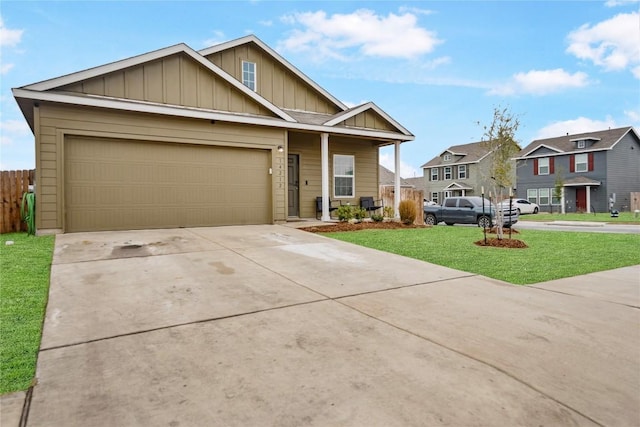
(345, 115)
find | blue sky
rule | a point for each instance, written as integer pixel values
(438, 67)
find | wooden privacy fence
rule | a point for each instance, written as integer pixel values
(387, 194)
(13, 184)
(635, 202)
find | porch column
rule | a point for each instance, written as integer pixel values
(562, 207)
(396, 182)
(588, 199)
(324, 156)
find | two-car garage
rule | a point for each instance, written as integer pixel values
(120, 184)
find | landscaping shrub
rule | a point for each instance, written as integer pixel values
(387, 212)
(345, 213)
(407, 210)
(377, 217)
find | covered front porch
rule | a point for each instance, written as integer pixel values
(577, 195)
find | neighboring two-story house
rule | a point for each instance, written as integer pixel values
(595, 171)
(229, 135)
(460, 170)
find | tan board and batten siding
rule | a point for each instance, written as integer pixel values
(369, 119)
(61, 127)
(274, 82)
(175, 80)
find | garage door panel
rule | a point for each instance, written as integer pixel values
(120, 185)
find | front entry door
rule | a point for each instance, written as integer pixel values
(581, 199)
(293, 184)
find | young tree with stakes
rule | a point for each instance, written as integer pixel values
(499, 139)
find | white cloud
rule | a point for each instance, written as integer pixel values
(417, 11)
(5, 68)
(611, 44)
(406, 170)
(218, 37)
(10, 129)
(633, 116)
(614, 3)
(391, 36)
(268, 23)
(541, 82)
(579, 125)
(9, 37)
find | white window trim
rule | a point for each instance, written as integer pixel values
(445, 173)
(434, 197)
(551, 197)
(540, 166)
(447, 157)
(432, 174)
(581, 144)
(585, 163)
(540, 196)
(353, 177)
(535, 198)
(255, 75)
(465, 171)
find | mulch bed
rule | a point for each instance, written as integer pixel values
(504, 243)
(346, 226)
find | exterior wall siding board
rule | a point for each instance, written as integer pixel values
(623, 171)
(153, 79)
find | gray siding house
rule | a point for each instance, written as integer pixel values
(596, 171)
(460, 170)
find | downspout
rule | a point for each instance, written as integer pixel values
(396, 184)
(324, 155)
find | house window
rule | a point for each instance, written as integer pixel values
(532, 195)
(581, 144)
(544, 196)
(434, 197)
(249, 74)
(462, 172)
(543, 166)
(434, 174)
(447, 157)
(447, 172)
(555, 200)
(343, 175)
(582, 164)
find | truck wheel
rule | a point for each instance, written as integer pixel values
(429, 219)
(484, 221)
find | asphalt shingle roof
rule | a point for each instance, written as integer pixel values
(607, 139)
(471, 153)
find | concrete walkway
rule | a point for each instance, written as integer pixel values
(269, 325)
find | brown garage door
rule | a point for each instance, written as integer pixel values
(125, 185)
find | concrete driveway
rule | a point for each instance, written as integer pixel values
(269, 325)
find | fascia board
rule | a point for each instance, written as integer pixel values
(277, 57)
(362, 108)
(563, 153)
(197, 113)
(105, 69)
(541, 146)
(151, 56)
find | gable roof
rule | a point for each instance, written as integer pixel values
(52, 90)
(471, 153)
(253, 39)
(341, 117)
(387, 177)
(603, 140)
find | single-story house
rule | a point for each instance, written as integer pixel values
(231, 134)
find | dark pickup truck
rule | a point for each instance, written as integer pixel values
(467, 210)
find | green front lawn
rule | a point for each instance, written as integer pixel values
(624, 218)
(24, 286)
(550, 255)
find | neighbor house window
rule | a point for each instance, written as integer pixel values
(582, 164)
(555, 200)
(447, 172)
(434, 197)
(249, 74)
(434, 174)
(447, 157)
(543, 166)
(462, 172)
(532, 195)
(544, 196)
(581, 144)
(343, 175)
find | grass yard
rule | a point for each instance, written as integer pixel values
(550, 255)
(624, 218)
(24, 285)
